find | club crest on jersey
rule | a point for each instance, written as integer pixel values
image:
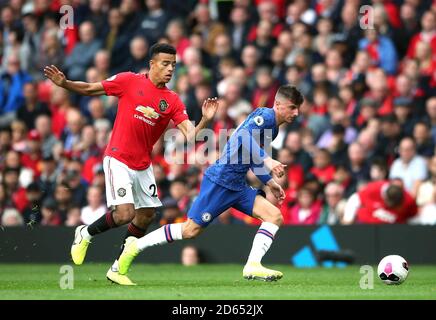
(148, 112)
(121, 192)
(163, 105)
(206, 217)
(259, 120)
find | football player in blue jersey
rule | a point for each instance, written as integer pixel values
(224, 186)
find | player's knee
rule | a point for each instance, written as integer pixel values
(275, 217)
(145, 219)
(124, 215)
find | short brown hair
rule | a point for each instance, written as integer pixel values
(290, 92)
(394, 195)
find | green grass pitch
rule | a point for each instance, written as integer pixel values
(169, 281)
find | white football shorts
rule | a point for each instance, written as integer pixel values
(125, 185)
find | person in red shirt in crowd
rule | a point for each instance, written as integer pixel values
(32, 157)
(268, 11)
(323, 169)
(145, 108)
(427, 34)
(306, 211)
(266, 88)
(14, 191)
(380, 202)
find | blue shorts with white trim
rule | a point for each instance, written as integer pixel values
(215, 199)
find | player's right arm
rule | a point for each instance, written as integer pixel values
(80, 87)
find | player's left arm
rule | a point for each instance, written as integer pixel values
(209, 109)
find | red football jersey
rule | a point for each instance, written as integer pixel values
(144, 112)
(374, 210)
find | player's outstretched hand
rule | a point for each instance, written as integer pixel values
(210, 105)
(277, 168)
(276, 190)
(55, 75)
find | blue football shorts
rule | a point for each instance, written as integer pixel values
(215, 199)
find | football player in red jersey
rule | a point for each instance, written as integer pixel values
(145, 108)
(380, 202)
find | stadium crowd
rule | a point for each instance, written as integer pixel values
(369, 113)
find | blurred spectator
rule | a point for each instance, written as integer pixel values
(5, 143)
(426, 189)
(357, 165)
(14, 190)
(13, 161)
(324, 39)
(205, 26)
(73, 178)
(239, 27)
(48, 140)
(380, 202)
(3, 198)
(83, 53)
(19, 135)
(237, 105)
(95, 208)
(267, 11)
(138, 56)
(62, 201)
(12, 81)
(427, 34)
(388, 139)
(31, 107)
(427, 214)
(32, 212)
(171, 212)
(50, 215)
(349, 31)
(47, 178)
(265, 90)
(323, 169)
(179, 192)
(50, 52)
(425, 145)
(31, 157)
(71, 134)
(176, 34)
(11, 218)
(378, 170)
(295, 172)
(333, 208)
(73, 217)
(404, 114)
(431, 115)
(293, 143)
(102, 63)
(190, 256)
(117, 38)
(154, 21)
(409, 167)
(306, 211)
(381, 50)
(16, 51)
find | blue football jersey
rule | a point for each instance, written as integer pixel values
(245, 150)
